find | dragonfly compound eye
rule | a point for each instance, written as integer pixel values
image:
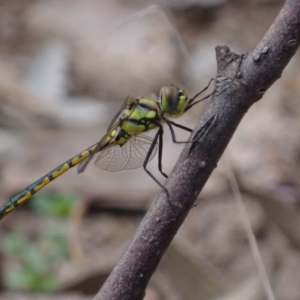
(173, 100)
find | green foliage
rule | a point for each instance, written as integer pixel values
(55, 205)
(36, 261)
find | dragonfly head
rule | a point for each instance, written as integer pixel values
(173, 101)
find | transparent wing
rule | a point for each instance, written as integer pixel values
(129, 156)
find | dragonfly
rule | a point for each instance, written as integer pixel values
(124, 146)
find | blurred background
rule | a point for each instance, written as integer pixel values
(66, 67)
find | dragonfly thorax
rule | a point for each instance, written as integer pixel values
(145, 115)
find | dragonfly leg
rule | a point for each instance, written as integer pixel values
(170, 123)
(160, 150)
(201, 133)
(191, 102)
(180, 126)
(159, 132)
(202, 99)
(197, 137)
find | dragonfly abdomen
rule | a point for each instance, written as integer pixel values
(27, 193)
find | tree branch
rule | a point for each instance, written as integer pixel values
(241, 81)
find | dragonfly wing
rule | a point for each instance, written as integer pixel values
(122, 113)
(129, 156)
(82, 166)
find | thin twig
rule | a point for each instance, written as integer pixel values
(262, 272)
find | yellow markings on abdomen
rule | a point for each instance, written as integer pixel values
(23, 199)
(78, 159)
(62, 170)
(44, 182)
(112, 134)
(121, 141)
(7, 210)
(27, 193)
